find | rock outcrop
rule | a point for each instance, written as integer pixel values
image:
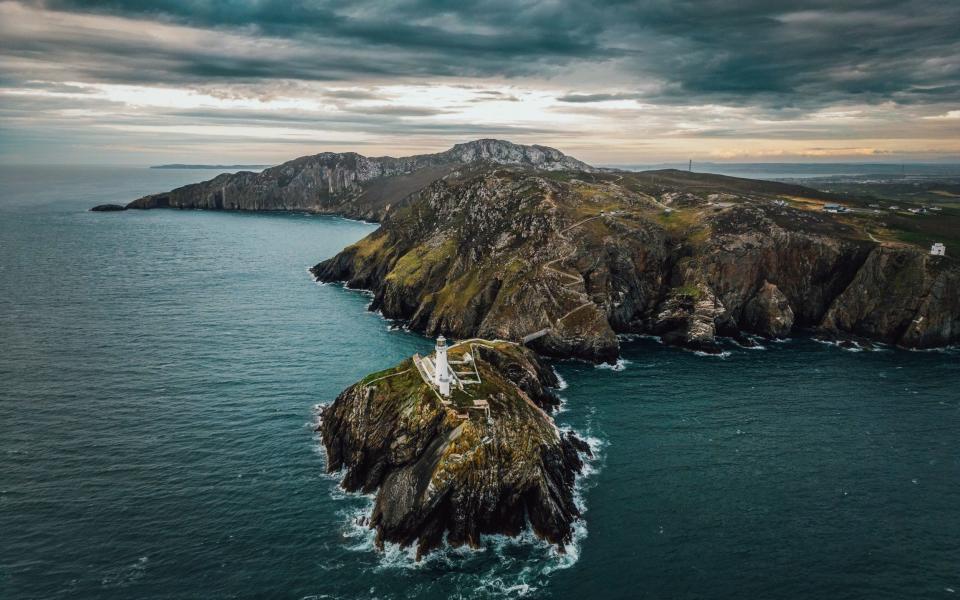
(900, 296)
(349, 184)
(457, 469)
(768, 313)
(108, 208)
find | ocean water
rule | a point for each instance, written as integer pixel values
(159, 378)
(800, 171)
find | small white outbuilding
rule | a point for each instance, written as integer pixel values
(938, 249)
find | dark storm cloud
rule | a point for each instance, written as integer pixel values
(770, 52)
(356, 40)
(501, 27)
(813, 52)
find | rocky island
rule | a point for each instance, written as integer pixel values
(500, 240)
(483, 458)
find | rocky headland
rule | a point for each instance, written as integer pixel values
(349, 184)
(524, 243)
(565, 261)
(487, 460)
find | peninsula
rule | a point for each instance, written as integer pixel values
(524, 243)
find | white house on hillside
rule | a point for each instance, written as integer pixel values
(938, 249)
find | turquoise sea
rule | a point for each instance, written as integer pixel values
(159, 378)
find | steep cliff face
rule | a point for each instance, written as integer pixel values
(478, 254)
(348, 184)
(452, 469)
(565, 261)
(903, 297)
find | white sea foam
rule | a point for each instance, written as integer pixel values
(363, 291)
(560, 408)
(314, 277)
(754, 339)
(853, 347)
(620, 365)
(562, 383)
(724, 354)
(941, 350)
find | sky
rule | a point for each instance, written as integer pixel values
(619, 82)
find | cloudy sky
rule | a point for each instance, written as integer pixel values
(618, 82)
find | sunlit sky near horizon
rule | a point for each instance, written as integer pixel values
(263, 81)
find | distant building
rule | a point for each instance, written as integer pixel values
(835, 208)
(938, 249)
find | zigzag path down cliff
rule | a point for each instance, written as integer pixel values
(501, 240)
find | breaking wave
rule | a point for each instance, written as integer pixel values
(620, 365)
(562, 383)
(724, 354)
(853, 345)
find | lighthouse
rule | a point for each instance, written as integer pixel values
(441, 371)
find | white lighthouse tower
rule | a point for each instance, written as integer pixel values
(441, 371)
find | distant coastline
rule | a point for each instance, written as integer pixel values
(179, 166)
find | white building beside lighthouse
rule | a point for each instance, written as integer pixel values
(441, 368)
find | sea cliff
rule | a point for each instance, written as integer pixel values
(566, 261)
